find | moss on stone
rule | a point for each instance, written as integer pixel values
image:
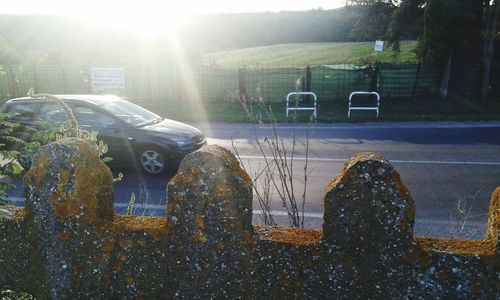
(493, 229)
(153, 226)
(287, 235)
(457, 246)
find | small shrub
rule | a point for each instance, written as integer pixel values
(14, 295)
(13, 162)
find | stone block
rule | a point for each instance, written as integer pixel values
(209, 219)
(368, 209)
(69, 197)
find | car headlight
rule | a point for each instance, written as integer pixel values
(183, 143)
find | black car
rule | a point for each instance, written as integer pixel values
(132, 133)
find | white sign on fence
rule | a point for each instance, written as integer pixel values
(379, 46)
(104, 79)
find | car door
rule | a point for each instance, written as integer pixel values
(110, 130)
(23, 114)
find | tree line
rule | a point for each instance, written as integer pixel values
(57, 39)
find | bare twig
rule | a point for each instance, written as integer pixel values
(277, 175)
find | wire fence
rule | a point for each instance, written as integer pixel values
(217, 84)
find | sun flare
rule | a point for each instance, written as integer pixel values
(151, 17)
(147, 21)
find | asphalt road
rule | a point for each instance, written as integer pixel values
(451, 169)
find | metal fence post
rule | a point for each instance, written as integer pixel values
(148, 78)
(241, 82)
(414, 93)
(89, 80)
(63, 73)
(35, 79)
(374, 86)
(179, 84)
(12, 79)
(308, 79)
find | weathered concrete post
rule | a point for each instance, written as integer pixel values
(209, 219)
(69, 197)
(368, 222)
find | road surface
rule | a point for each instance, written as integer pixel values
(451, 169)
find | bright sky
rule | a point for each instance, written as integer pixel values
(147, 15)
(156, 7)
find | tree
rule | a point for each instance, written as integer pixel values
(373, 20)
(451, 35)
(491, 14)
(392, 20)
(452, 31)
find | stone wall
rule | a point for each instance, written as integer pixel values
(67, 243)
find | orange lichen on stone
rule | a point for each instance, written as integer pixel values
(117, 266)
(284, 279)
(199, 220)
(182, 179)
(108, 245)
(295, 236)
(64, 176)
(63, 237)
(123, 256)
(38, 173)
(200, 237)
(154, 226)
(457, 246)
(125, 243)
(129, 278)
(78, 270)
(400, 187)
(219, 246)
(87, 190)
(342, 177)
(222, 192)
(66, 210)
(55, 196)
(249, 237)
(170, 207)
(98, 259)
(196, 171)
(235, 165)
(493, 216)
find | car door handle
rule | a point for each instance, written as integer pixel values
(130, 139)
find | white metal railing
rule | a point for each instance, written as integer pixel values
(376, 108)
(295, 107)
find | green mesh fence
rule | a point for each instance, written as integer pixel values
(216, 84)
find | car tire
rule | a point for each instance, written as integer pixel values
(152, 161)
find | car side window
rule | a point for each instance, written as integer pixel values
(52, 112)
(22, 112)
(87, 116)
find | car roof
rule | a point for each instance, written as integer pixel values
(93, 99)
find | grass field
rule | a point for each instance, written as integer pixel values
(310, 54)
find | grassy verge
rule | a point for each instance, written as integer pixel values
(430, 109)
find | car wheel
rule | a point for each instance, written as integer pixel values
(152, 161)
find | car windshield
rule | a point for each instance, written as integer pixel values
(131, 113)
